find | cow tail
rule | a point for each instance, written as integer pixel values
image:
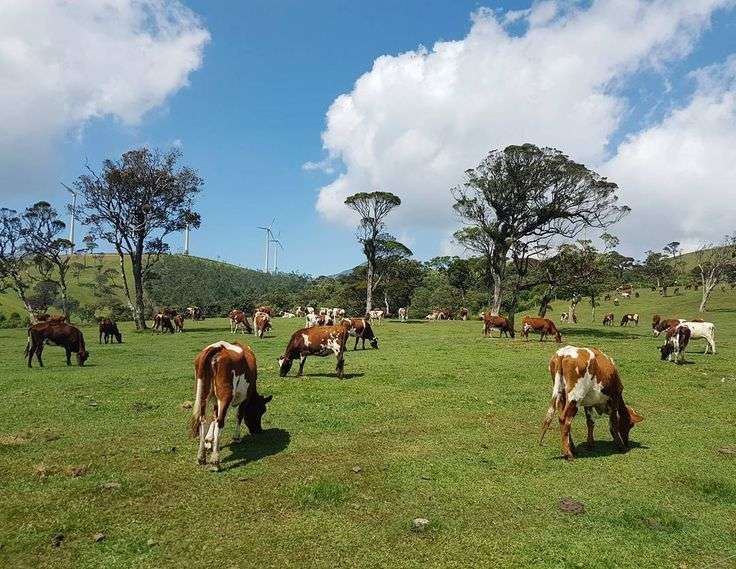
(203, 377)
(559, 396)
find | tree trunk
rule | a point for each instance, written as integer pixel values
(369, 288)
(385, 301)
(496, 305)
(593, 307)
(126, 287)
(544, 304)
(139, 312)
(707, 289)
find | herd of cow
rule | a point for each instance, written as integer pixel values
(226, 372)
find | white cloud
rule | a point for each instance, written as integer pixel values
(416, 121)
(64, 63)
(680, 175)
(324, 166)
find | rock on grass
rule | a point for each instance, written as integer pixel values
(570, 506)
(419, 524)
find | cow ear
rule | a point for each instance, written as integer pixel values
(267, 399)
(635, 417)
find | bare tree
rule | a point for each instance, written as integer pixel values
(520, 198)
(714, 263)
(372, 208)
(133, 204)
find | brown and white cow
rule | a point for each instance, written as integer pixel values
(109, 330)
(267, 309)
(660, 324)
(608, 319)
(463, 314)
(226, 374)
(403, 314)
(317, 341)
(544, 326)
(57, 333)
(493, 322)
(239, 320)
(627, 319)
(588, 378)
(179, 322)
(377, 315)
(262, 323)
(164, 324)
(677, 340)
(361, 329)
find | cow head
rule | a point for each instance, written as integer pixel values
(558, 336)
(284, 365)
(118, 336)
(255, 408)
(374, 343)
(667, 349)
(82, 356)
(622, 420)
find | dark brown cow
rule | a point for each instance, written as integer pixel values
(463, 314)
(109, 330)
(60, 334)
(608, 319)
(493, 322)
(179, 322)
(361, 329)
(225, 373)
(588, 378)
(544, 326)
(238, 319)
(262, 323)
(315, 341)
(660, 324)
(165, 324)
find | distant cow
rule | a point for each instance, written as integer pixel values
(299, 311)
(288, 315)
(238, 320)
(493, 322)
(626, 294)
(179, 322)
(675, 344)
(165, 324)
(262, 323)
(361, 329)
(607, 297)
(109, 330)
(463, 314)
(376, 315)
(267, 309)
(615, 302)
(626, 319)
(608, 319)
(60, 334)
(544, 326)
(403, 314)
(565, 317)
(317, 341)
(226, 374)
(194, 312)
(588, 378)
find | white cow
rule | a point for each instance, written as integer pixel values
(704, 330)
(376, 315)
(403, 314)
(288, 315)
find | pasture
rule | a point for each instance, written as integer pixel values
(438, 423)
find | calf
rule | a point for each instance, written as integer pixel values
(179, 322)
(544, 326)
(463, 314)
(226, 374)
(238, 320)
(361, 329)
(262, 323)
(626, 319)
(608, 319)
(588, 378)
(316, 341)
(675, 344)
(493, 322)
(109, 330)
(59, 334)
(403, 314)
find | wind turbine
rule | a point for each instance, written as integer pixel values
(276, 253)
(269, 237)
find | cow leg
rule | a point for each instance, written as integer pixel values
(339, 369)
(568, 414)
(355, 347)
(68, 356)
(204, 427)
(542, 336)
(363, 346)
(100, 338)
(590, 422)
(39, 349)
(238, 421)
(302, 361)
(222, 407)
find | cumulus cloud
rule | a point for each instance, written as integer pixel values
(64, 63)
(680, 175)
(417, 120)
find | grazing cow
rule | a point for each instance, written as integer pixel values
(607, 297)
(588, 378)
(299, 311)
(493, 322)
(608, 319)
(565, 317)
(636, 294)
(310, 310)
(626, 319)
(165, 324)
(463, 314)
(238, 320)
(288, 315)
(626, 294)
(194, 312)
(660, 324)
(226, 374)
(311, 320)
(262, 323)
(361, 329)
(615, 301)
(316, 341)
(59, 334)
(179, 322)
(109, 330)
(702, 330)
(376, 315)
(403, 314)
(675, 344)
(267, 309)
(544, 326)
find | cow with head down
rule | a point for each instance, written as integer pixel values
(315, 341)
(361, 329)
(494, 322)
(544, 326)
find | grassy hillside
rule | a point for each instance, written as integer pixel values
(438, 423)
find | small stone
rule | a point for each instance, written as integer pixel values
(57, 540)
(419, 524)
(151, 542)
(570, 506)
(111, 486)
(425, 476)
(357, 469)
(187, 405)
(41, 470)
(77, 471)
(98, 537)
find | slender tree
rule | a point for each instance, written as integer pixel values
(520, 198)
(714, 263)
(133, 204)
(14, 260)
(372, 208)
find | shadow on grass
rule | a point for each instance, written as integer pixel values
(344, 375)
(256, 447)
(602, 449)
(599, 333)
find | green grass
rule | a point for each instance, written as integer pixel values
(442, 423)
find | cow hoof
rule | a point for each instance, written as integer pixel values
(568, 457)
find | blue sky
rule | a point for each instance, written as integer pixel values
(254, 109)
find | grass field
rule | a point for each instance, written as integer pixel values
(438, 423)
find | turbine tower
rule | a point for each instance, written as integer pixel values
(276, 243)
(269, 237)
